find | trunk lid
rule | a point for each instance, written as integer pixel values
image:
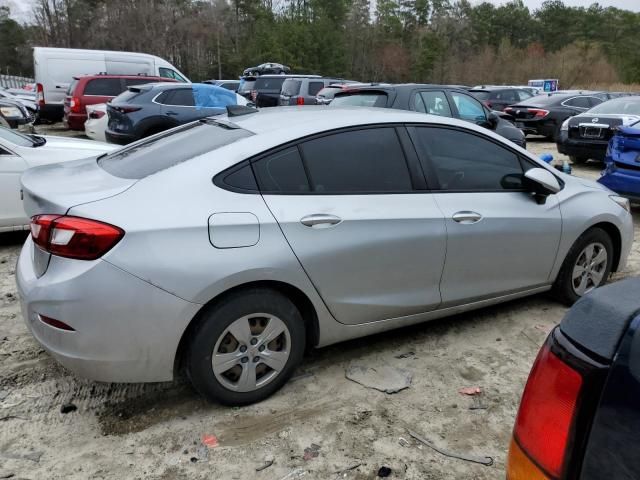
(56, 188)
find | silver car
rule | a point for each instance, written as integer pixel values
(227, 246)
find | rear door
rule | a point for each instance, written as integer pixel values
(499, 240)
(355, 211)
(179, 105)
(433, 102)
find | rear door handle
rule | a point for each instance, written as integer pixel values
(320, 220)
(466, 217)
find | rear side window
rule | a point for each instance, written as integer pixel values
(315, 87)
(509, 95)
(434, 103)
(523, 95)
(365, 99)
(178, 145)
(291, 87)
(463, 161)
(469, 108)
(180, 97)
(579, 102)
(106, 87)
(72, 86)
(282, 172)
(358, 161)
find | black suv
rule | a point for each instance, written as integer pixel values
(440, 100)
(266, 90)
(144, 110)
(498, 98)
(544, 114)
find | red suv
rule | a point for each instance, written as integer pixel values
(93, 89)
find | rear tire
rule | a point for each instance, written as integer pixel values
(586, 267)
(246, 347)
(577, 160)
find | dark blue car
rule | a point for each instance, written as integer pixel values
(144, 110)
(622, 162)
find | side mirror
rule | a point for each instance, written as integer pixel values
(542, 183)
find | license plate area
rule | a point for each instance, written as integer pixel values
(591, 132)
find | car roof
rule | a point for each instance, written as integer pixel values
(398, 86)
(288, 75)
(101, 75)
(491, 88)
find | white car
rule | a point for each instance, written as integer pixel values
(19, 152)
(96, 123)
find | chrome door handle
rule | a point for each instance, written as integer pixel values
(466, 217)
(320, 220)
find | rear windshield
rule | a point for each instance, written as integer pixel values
(543, 100)
(269, 84)
(482, 96)
(291, 87)
(246, 85)
(128, 95)
(175, 146)
(363, 99)
(624, 105)
(72, 87)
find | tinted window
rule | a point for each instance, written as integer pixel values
(481, 95)
(233, 86)
(579, 102)
(506, 96)
(365, 99)
(595, 101)
(242, 178)
(436, 103)
(108, 87)
(269, 84)
(628, 105)
(72, 87)
(468, 108)
(246, 85)
(291, 87)
(523, 94)
(169, 73)
(178, 145)
(368, 160)
(464, 161)
(138, 81)
(180, 97)
(315, 87)
(282, 172)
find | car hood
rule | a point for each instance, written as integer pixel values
(61, 149)
(74, 144)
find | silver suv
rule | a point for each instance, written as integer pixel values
(229, 245)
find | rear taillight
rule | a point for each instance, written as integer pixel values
(126, 109)
(40, 94)
(96, 114)
(300, 101)
(538, 112)
(76, 105)
(488, 104)
(544, 424)
(74, 237)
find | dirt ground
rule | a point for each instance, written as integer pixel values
(156, 431)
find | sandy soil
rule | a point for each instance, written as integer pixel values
(155, 431)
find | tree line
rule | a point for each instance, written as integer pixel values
(439, 41)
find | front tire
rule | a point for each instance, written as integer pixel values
(246, 347)
(586, 267)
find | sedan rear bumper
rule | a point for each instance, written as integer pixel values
(125, 329)
(593, 149)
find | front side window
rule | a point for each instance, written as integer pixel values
(463, 161)
(436, 103)
(358, 161)
(469, 108)
(170, 73)
(106, 87)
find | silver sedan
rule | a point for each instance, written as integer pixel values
(227, 246)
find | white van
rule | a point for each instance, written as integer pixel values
(55, 68)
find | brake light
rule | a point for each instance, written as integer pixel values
(76, 105)
(126, 109)
(488, 104)
(97, 114)
(538, 112)
(543, 425)
(508, 109)
(300, 101)
(40, 94)
(74, 237)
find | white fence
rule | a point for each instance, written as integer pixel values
(13, 81)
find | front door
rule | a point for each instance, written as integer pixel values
(499, 240)
(372, 245)
(11, 209)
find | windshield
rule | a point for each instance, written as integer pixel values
(274, 83)
(364, 99)
(291, 87)
(170, 148)
(16, 138)
(482, 96)
(624, 105)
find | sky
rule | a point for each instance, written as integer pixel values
(633, 5)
